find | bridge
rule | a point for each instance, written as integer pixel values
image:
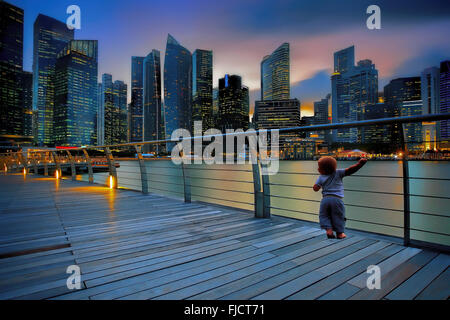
(147, 242)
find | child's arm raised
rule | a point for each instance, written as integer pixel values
(354, 168)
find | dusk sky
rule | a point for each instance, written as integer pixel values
(414, 35)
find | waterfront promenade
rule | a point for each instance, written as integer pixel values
(129, 245)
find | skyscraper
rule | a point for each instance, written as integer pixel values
(444, 91)
(377, 134)
(321, 110)
(276, 114)
(100, 116)
(245, 107)
(344, 60)
(395, 93)
(11, 58)
(75, 87)
(321, 117)
(429, 80)
(352, 88)
(232, 103)
(177, 87)
(114, 108)
(50, 37)
(108, 110)
(275, 79)
(120, 109)
(202, 87)
(401, 89)
(26, 86)
(412, 131)
(153, 125)
(137, 96)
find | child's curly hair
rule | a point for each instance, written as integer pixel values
(327, 165)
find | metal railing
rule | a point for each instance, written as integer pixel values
(379, 203)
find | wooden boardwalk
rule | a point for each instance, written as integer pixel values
(134, 246)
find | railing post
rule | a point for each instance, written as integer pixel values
(266, 192)
(261, 189)
(258, 191)
(186, 183)
(143, 169)
(72, 165)
(89, 164)
(46, 157)
(35, 168)
(57, 165)
(406, 195)
(112, 167)
(15, 160)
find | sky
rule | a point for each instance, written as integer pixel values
(413, 35)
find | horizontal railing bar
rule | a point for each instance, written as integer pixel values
(219, 189)
(347, 204)
(431, 232)
(196, 195)
(350, 190)
(239, 181)
(320, 127)
(353, 175)
(430, 214)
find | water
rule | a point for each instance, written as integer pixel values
(373, 196)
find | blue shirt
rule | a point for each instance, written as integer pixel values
(332, 184)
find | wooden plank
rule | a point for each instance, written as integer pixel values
(386, 266)
(323, 286)
(392, 279)
(409, 289)
(306, 263)
(439, 289)
(341, 293)
(287, 289)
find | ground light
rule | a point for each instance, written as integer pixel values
(24, 171)
(111, 182)
(57, 174)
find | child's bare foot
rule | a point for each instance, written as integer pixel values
(330, 234)
(341, 235)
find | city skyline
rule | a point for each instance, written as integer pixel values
(399, 49)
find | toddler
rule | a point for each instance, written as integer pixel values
(332, 209)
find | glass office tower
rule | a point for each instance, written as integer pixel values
(75, 86)
(120, 109)
(11, 58)
(137, 96)
(153, 125)
(233, 101)
(49, 38)
(177, 87)
(344, 59)
(202, 78)
(444, 91)
(275, 79)
(113, 105)
(352, 88)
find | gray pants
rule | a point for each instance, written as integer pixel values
(332, 214)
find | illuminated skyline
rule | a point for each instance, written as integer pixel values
(241, 33)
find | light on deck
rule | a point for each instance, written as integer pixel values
(57, 174)
(24, 171)
(111, 182)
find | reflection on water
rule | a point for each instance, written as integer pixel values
(373, 197)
